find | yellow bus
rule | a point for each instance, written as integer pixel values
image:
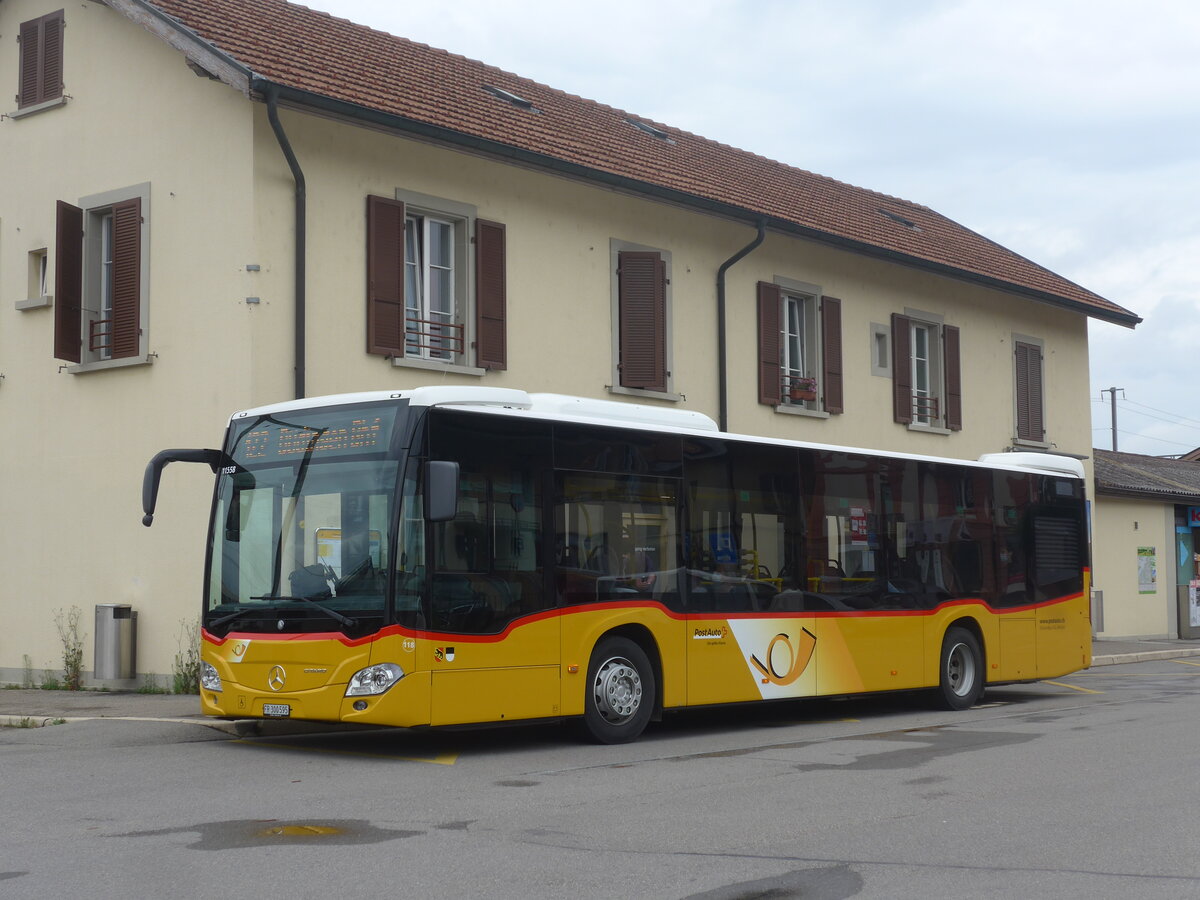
(456, 555)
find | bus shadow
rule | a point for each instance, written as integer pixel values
(446, 746)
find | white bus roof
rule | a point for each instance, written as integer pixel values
(564, 407)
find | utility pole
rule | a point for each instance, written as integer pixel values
(1112, 392)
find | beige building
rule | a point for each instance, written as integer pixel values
(215, 204)
(1145, 548)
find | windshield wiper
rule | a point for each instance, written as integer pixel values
(332, 613)
(217, 623)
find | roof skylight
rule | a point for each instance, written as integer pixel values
(512, 98)
(900, 220)
(650, 130)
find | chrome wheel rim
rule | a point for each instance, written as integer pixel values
(960, 670)
(617, 690)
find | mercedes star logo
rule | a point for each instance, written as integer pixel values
(276, 678)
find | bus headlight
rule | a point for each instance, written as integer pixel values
(209, 679)
(374, 680)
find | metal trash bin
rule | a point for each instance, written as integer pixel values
(115, 641)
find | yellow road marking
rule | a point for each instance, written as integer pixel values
(1184, 662)
(1132, 674)
(1073, 687)
(441, 759)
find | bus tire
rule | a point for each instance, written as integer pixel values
(960, 671)
(620, 691)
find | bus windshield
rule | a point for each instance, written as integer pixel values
(302, 522)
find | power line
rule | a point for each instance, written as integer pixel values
(1144, 437)
(1161, 419)
(1176, 419)
(1163, 411)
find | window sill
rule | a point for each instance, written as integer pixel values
(929, 429)
(1038, 445)
(642, 392)
(101, 365)
(433, 365)
(43, 302)
(38, 107)
(789, 409)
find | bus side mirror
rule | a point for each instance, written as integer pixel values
(212, 458)
(441, 490)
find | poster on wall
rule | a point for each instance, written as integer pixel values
(1147, 570)
(1194, 603)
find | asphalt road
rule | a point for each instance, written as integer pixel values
(1082, 788)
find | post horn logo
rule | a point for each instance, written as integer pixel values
(799, 658)
(276, 678)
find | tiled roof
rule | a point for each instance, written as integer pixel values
(305, 50)
(1131, 474)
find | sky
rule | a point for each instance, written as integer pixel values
(1066, 130)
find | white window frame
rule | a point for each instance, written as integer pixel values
(461, 217)
(37, 292)
(96, 208)
(431, 340)
(812, 301)
(804, 342)
(935, 387)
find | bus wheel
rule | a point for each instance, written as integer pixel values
(620, 691)
(960, 679)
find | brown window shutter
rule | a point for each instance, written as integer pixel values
(953, 365)
(52, 56)
(41, 59)
(1030, 421)
(29, 90)
(770, 375)
(831, 338)
(385, 276)
(126, 328)
(902, 394)
(642, 302)
(68, 283)
(490, 296)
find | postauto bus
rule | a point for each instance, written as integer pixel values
(453, 555)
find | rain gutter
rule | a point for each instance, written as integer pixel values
(722, 361)
(271, 91)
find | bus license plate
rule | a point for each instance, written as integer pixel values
(277, 710)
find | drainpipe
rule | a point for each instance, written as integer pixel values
(722, 362)
(272, 93)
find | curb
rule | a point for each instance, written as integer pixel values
(42, 721)
(238, 728)
(1117, 659)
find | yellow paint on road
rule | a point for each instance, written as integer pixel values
(439, 759)
(1073, 687)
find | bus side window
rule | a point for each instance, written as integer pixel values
(616, 538)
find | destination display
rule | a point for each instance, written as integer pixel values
(314, 433)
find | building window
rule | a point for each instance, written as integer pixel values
(102, 278)
(926, 372)
(880, 350)
(39, 261)
(799, 348)
(41, 60)
(1030, 397)
(642, 318)
(799, 354)
(926, 369)
(430, 329)
(429, 298)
